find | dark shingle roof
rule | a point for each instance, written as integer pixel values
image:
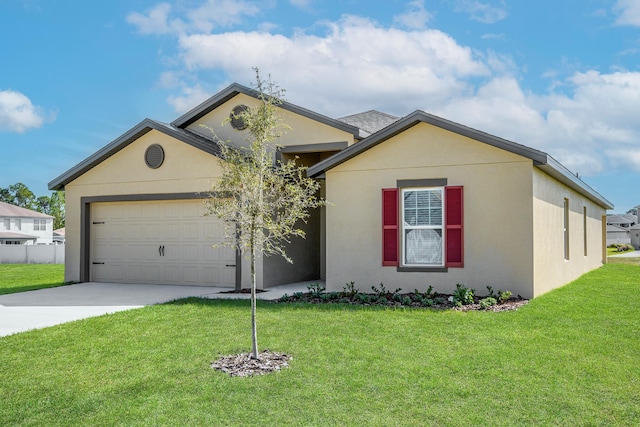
(370, 121)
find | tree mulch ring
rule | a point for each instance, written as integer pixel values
(242, 365)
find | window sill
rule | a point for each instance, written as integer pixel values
(407, 269)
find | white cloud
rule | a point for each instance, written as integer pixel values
(18, 114)
(188, 99)
(482, 12)
(358, 64)
(221, 13)
(211, 14)
(628, 12)
(383, 66)
(415, 17)
(155, 21)
(587, 130)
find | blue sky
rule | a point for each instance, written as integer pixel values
(559, 76)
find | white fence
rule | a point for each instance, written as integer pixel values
(31, 254)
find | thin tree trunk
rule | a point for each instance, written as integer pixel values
(238, 254)
(254, 332)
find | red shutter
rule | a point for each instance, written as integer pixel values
(390, 226)
(454, 227)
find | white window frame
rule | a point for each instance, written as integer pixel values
(7, 224)
(18, 224)
(404, 227)
(39, 225)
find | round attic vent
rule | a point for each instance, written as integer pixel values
(236, 122)
(154, 156)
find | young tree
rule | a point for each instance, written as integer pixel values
(261, 201)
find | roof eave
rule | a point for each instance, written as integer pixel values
(124, 140)
(556, 170)
(540, 159)
(234, 89)
(421, 117)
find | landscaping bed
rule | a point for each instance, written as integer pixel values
(463, 299)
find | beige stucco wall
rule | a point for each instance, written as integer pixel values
(551, 269)
(185, 169)
(303, 130)
(498, 212)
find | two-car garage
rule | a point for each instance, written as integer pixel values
(159, 242)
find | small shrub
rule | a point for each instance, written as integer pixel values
(503, 296)
(405, 300)
(298, 295)
(439, 300)
(487, 302)
(284, 298)
(490, 293)
(462, 295)
(316, 289)
(381, 291)
(350, 290)
(382, 300)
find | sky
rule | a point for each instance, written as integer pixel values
(562, 77)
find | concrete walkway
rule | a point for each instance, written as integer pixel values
(24, 311)
(634, 254)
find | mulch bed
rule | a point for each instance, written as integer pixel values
(510, 305)
(439, 302)
(242, 365)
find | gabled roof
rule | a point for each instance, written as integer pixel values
(632, 218)
(370, 121)
(18, 236)
(540, 159)
(231, 91)
(617, 219)
(127, 138)
(13, 211)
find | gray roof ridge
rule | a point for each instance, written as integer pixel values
(371, 111)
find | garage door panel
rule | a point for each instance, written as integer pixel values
(130, 239)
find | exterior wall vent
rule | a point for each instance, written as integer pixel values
(154, 156)
(236, 122)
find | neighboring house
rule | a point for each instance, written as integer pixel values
(415, 201)
(618, 235)
(618, 228)
(58, 236)
(634, 233)
(20, 226)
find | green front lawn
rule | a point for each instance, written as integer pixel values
(27, 277)
(569, 358)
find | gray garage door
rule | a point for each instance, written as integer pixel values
(159, 242)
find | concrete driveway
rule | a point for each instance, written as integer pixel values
(23, 311)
